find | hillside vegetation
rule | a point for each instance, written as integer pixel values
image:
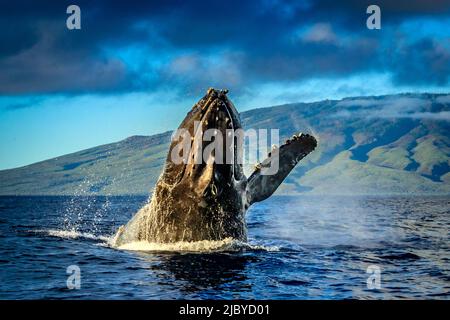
(366, 145)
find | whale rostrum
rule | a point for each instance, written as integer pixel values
(207, 199)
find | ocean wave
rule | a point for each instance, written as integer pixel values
(225, 245)
(72, 234)
(228, 244)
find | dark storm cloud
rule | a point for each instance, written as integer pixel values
(201, 43)
(423, 62)
(348, 12)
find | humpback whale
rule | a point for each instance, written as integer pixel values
(207, 199)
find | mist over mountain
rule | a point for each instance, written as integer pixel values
(396, 144)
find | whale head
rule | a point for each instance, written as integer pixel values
(202, 193)
(204, 151)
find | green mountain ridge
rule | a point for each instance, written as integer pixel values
(395, 144)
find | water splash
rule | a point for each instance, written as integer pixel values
(71, 234)
(204, 246)
(225, 245)
(84, 211)
(157, 221)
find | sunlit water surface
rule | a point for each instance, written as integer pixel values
(302, 247)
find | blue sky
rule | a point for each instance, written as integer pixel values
(138, 67)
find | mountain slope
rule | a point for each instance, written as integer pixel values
(376, 145)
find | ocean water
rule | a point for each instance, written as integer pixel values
(302, 247)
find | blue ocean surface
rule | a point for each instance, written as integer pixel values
(300, 247)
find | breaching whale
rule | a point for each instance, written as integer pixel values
(207, 199)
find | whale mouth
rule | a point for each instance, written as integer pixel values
(211, 125)
(217, 124)
(217, 111)
(214, 118)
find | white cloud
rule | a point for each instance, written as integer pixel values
(320, 33)
(443, 99)
(202, 71)
(390, 108)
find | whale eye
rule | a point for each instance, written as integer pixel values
(213, 190)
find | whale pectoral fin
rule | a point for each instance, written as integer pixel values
(273, 170)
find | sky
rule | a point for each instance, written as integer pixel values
(137, 67)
